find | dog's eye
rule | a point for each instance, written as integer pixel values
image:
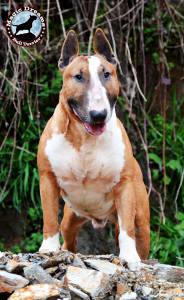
(78, 77)
(107, 75)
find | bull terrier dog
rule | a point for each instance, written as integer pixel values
(85, 157)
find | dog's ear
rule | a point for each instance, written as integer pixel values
(69, 50)
(102, 46)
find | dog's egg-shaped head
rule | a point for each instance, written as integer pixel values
(90, 84)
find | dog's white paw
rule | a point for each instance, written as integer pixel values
(133, 261)
(128, 251)
(50, 244)
(134, 266)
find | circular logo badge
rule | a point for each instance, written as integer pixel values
(25, 26)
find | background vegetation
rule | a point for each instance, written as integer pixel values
(148, 40)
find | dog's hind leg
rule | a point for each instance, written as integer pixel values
(70, 227)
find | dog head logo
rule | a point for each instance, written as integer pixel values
(25, 27)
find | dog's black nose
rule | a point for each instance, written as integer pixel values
(98, 116)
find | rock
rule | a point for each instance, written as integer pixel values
(51, 270)
(129, 296)
(2, 267)
(78, 276)
(146, 290)
(121, 288)
(37, 273)
(151, 262)
(10, 282)
(77, 262)
(104, 266)
(169, 273)
(116, 261)
(94, 283)
(4, 257)
(175, 293)
(16, 266)
(78, 292)
(1, 254)
(38, 292)
(65, 257)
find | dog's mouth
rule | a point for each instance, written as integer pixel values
(92, 128)
(95, 129)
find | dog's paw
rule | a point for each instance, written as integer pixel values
(50, 244)
(132, 259)
(134, 266)
(128, 251)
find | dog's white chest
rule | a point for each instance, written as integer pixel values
(87, 176)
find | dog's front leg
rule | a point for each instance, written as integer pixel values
(126, 208)
(49, 192)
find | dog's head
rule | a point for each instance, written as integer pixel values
(90, 84)
(33, 17)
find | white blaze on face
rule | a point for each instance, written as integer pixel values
(97, 95)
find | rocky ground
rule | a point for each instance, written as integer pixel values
(65, 275)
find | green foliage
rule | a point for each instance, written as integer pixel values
(2, 247)
(32, 243)
(52, 87)
(24, 178)
(29, 244)
(168, 244)
(174, 135)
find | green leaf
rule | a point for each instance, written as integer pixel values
(156, 57)
(174, 165)
(154, 157)
(155, 174)
(180, 216)
(166, 180)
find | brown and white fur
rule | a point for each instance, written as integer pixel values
(85, 157)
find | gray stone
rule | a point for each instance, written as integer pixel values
(65, 257)
(169, 273)
(10, 282)
(77, 262)
(104, 266)
(51, 270)
(78, 292)
(129, 296)
(15, 266)
(146, 290)
(38, 274)
(92, 282)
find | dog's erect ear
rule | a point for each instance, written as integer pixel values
(69, 50)
(102, 46)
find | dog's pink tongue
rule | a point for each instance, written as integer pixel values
(95, 129)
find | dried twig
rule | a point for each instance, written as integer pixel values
(92, 26)
(134, 72)
(61, 18)
(177, 192)
(48, 8)
(11, 160)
